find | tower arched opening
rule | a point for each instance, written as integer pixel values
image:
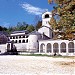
(47, 16)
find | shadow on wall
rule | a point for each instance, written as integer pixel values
(13, 51)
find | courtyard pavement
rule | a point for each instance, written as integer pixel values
(36, 65)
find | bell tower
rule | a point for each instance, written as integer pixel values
(46, 19)
(46, 28)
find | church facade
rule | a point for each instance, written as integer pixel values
(40, 41)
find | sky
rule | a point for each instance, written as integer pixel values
(14, 11)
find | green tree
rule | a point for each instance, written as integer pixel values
(21, 26)
(38, 25)
(30, 28)
(3, 28)
(53, 23)
(65, 9)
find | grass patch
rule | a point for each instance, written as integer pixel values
(60, 56)
(34, 54)
(57, 56)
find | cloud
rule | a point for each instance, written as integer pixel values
(32, 9)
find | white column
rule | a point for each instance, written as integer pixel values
(39, 48)
(45, 48)
(74, 48)
(52, 48)
(67, 49)
(59, 49)
(21, 40)
(6, 47)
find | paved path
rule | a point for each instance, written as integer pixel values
(31, 65)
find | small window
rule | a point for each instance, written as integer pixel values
(27, 36)
(19, 36)
(10, 37)
(13, 41)
(16, 41)
(19, 41)
(27, 41)
(23, 36)
(13, 37)
(23, 41)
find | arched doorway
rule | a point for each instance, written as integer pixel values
(42, 47)
(55, 48)
(71, 47)
(48, 48)
(63, 47)
(8, 47)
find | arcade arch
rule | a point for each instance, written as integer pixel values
(71, 47)
(63, 47)
(42, 47)
(48, 48)
(55, 48)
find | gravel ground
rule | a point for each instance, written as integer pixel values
(31, 65)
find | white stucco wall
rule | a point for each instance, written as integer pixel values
(45, 21)
(2, 48)
(46, 31)
(45, 42)
(17, 34)
(33, 42)
(21, 46)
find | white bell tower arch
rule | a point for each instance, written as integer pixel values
(46, 19)
(46, 27)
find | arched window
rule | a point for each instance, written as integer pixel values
(27, 41)
(10, 37)
(23, 41)
(47, 16)
(23, 36)
(19, 36)
(19, 41)
(16, 41)
(13, 41)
